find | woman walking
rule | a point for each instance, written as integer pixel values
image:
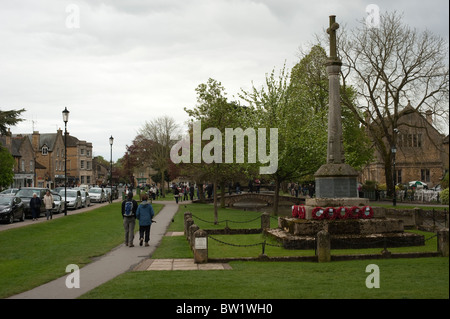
(145, 215)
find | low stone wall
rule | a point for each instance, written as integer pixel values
(347, 241)
(304, 227)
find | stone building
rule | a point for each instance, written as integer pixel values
(422, 152)
(25, 165)
(49, 152)
(40, 159)
(100, 171)
(79, 162)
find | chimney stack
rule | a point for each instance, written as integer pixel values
(36, 140)
(429, 116)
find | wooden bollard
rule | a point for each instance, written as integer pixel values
(200, 247)
(323, 246)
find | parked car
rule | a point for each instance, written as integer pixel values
(59, 203)
(115, 191)
(85, 199)
(26, 194)
(107, 194)
(97, 195)
(11, 208)
(73, 198)
(9, 191)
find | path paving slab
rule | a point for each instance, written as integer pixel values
(180, 264)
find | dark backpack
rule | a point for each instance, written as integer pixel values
(128, 209)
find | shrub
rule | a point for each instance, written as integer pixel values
(444, 196)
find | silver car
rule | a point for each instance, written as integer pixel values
(73, 198)
(59, 203)
(85, 199)
(97, 195)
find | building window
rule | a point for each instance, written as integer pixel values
(409, 140)
(82, 164)
(425, 175)
(399, 176)
(44, 150)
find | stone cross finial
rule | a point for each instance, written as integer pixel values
(332, 32)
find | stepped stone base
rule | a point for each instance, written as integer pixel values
(290, 241)
(294, 233)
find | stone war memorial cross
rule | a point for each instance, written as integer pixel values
(336, 181)
(336, 189)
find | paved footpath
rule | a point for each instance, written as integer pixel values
(114, 263)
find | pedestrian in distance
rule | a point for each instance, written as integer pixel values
(176, 194)
(35, 206)
(48, 203)
(129, 207)
(145, 215)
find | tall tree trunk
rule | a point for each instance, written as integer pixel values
(389, 173)
(276, 197)
(163, 193)
(216, 215)
(222, 195)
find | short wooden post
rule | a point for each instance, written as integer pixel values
(323, 246)
(442, 236)
(200, 247)
(265, 221)
(189, 222)
(192, 229)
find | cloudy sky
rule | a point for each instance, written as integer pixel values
(116, 64)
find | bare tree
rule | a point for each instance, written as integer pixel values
(391, 66)
(162, 133)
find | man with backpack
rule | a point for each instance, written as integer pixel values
(129, 207)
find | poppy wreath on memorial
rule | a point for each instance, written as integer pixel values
(318, 213)
(301, 212)
(295, 211)
(366, 212)
(354, 212)
(298, 211)
(344, 213)
(331, 213)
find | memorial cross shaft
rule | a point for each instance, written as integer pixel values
(335, 150)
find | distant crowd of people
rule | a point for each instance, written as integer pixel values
(296, 189)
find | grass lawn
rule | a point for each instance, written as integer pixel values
(399, 278)
(33, 255)
(420, 278)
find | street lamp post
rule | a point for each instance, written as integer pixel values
(111, 141)
(65, 115)
(394, 151)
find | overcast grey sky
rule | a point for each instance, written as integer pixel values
(115, 64)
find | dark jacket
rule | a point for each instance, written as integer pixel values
(145, 214)
(135, 206)
(35, 204)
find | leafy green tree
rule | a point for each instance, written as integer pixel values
(6, 168)
(215, 111)
(300, 148)
(9, 118)
(309, 82)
